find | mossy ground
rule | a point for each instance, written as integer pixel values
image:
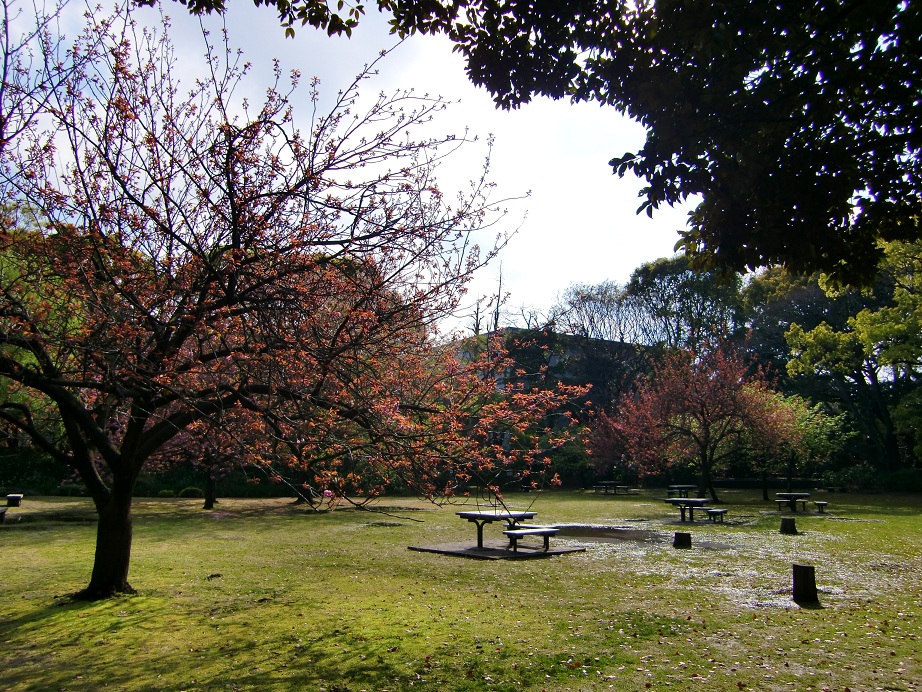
(264, 595)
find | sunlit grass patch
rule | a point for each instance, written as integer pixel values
(264, 594)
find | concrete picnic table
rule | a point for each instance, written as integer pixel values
(611, 487)
(480, 517)
(680, 490)
(793, 498)
(688, 503)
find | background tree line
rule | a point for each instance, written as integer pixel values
(853, 355)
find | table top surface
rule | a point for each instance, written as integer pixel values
(792, 496)
(683, 487)
(689, 501)
(499, 515)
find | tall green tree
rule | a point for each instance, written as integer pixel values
(874, 361)
(775, 299)
(674, 306)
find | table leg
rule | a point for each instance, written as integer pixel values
(682, 510)
(511, 524)
(479, 533)
(691, 513)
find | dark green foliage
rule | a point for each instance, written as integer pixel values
(191, 492)
(573, 465)
(776, 298)
(545, 358)
(31, 472)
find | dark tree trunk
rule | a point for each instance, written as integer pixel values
(211, 491)
(765, 485)
(113, 546)
(707, 485)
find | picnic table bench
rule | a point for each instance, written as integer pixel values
(716, 515)
(527, 530)
(791, 500)
(689, 503)
(611, 488)
(14, 500)
(680, 490)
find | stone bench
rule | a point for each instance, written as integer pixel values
(787, 503)
(544, 531)
(820, 506)
(14, 500)
(716, 515)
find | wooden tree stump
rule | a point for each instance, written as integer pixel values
(788, 526)
(681, 540)
(805, 584)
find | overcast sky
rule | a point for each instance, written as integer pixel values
(579, 224)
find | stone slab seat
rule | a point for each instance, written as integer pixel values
(716, 514)
(820, 506)
(545, 531)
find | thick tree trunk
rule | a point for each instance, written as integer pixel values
(707, 485)
(211, 491)
(765, 485)
(113, 546)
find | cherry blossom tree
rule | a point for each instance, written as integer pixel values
(696, 409)
(197, 262)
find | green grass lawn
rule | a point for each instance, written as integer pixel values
(263, 595)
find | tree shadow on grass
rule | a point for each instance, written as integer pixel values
(171, 509)
(85, 646)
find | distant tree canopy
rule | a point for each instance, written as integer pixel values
(797, 122)
(664, 304)
(697, 409)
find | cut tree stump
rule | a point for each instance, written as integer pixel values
(805, 584)
(788, 526)
(681, 540)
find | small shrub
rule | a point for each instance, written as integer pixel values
(192, 492)
(166, 493)
(904, 480)
(858, 476)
